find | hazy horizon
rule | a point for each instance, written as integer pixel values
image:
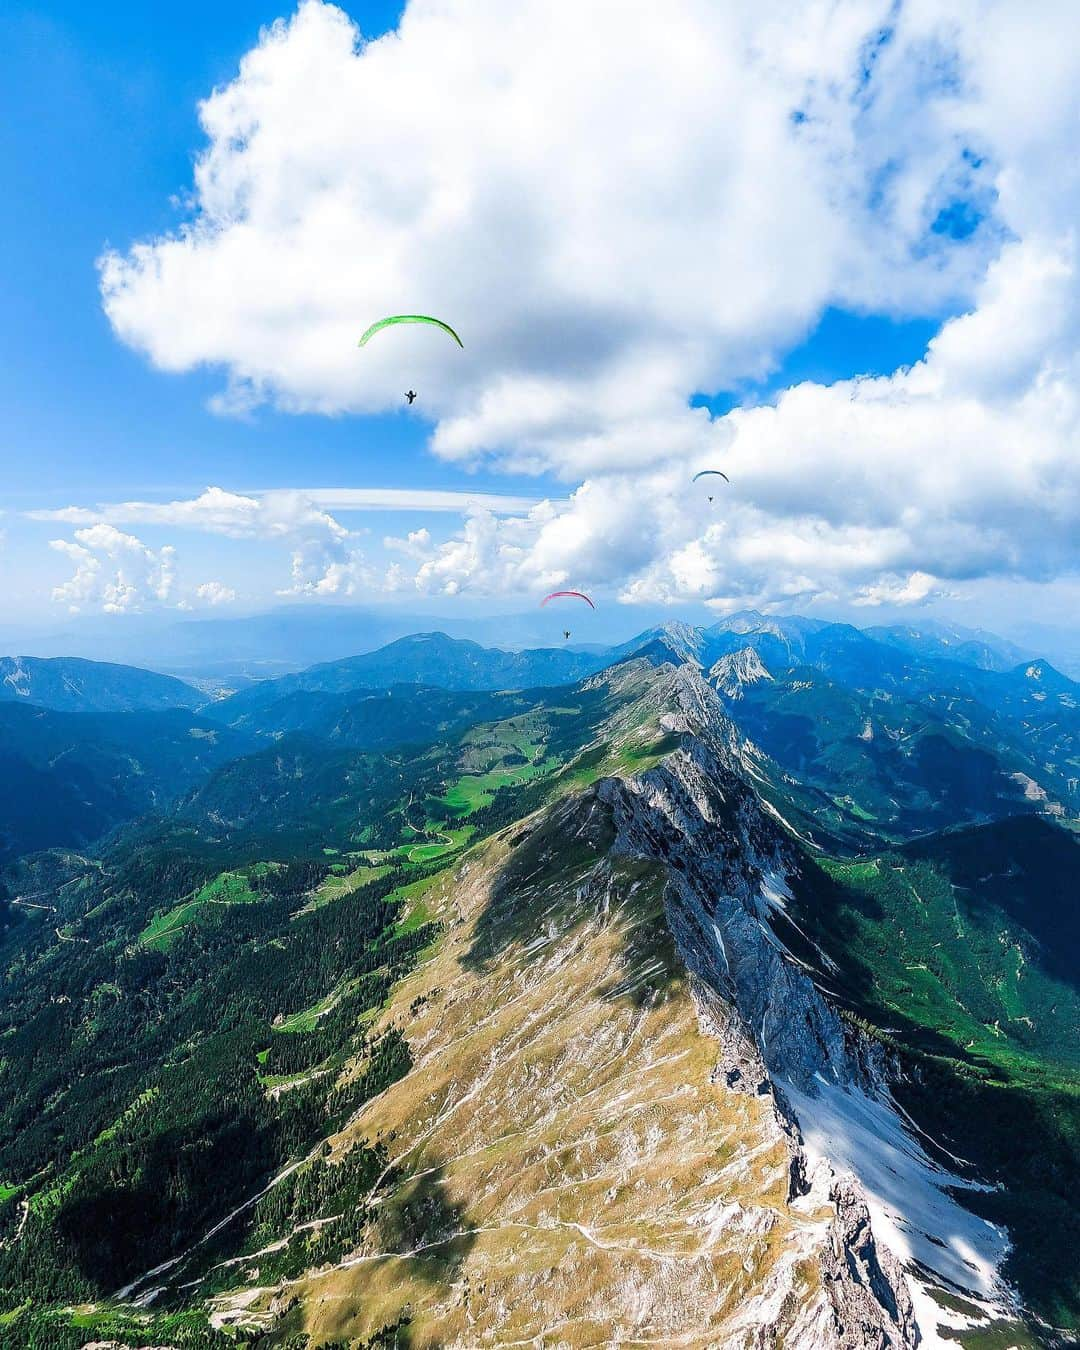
(291, 637)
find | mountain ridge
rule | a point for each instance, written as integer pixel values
(76, 685)
(586, 997)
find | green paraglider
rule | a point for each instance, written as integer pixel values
(409, 318)
(706, 473)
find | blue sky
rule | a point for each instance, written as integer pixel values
(102, 143)
(103, 140)
(879, 252)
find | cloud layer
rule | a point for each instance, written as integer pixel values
(324, 557)
(613, 233)
(609, 235)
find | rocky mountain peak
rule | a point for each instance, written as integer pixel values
(683, 639)
(736, 670)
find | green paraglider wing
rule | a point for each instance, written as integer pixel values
(717, 473)
(409, 318)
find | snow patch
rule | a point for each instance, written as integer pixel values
(909, 1197)
(775, 891)
(933, 1319)
(787, 826)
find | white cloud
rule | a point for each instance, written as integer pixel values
(269, 515)
(608, 235)
(215, 593)
(323, 568)
(324, 559)
(414, 499)
(885, 490)
(273, 509)
(114, 572)
(680, 211)
(915, 589)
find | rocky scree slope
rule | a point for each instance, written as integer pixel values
(612, 1130)
(731, 862)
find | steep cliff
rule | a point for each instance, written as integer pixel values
(632, 1116)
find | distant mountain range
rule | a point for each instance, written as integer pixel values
(970, 646)
(67, 682)
(230, 650)
(902, 661)
(891, 730)
(423, 658)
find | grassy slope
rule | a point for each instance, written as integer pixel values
(559, 1140)
(227, 888)
(474, 1005)
(184, 896)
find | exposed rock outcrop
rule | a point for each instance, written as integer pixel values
(732, 673)
(602, 1138)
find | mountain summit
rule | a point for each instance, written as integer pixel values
(736, 670)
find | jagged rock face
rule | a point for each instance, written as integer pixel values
(697, 813)
(864, 1279)
(733, 672)
(575, 1171)
(729, 862)
(670, 641)
(588, 1146)
(601, 1139)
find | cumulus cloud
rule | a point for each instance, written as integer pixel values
(324, 558)
(268, 515)
(889, 490)
(322, 567)
(114, 572)
(913, 590)
(680, 212)
(607, 235)
(215, 593)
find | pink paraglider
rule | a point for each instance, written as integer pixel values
(576, 594)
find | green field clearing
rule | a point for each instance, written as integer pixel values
(228, 888)
(339, 884)
(449, 842)
(473, 791)
(285, 1080)
(307, 1019)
